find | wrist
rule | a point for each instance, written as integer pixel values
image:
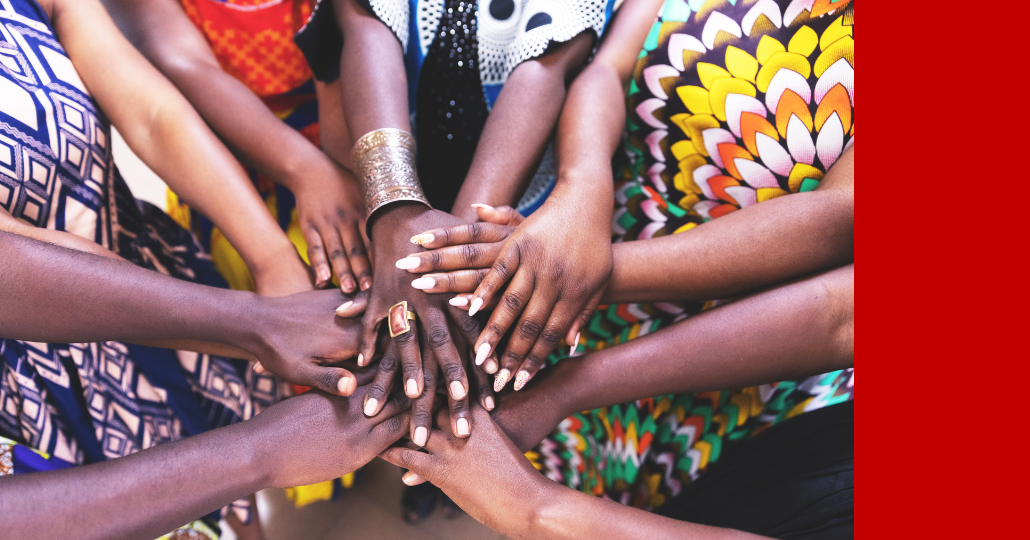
(307, 166)
(391, 221)
(547, 518)
(250, 325)
(259, 460)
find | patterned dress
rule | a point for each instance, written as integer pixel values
(732, 103)
(458, 54)
(80, 403)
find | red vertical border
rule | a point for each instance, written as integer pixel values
(943, 229)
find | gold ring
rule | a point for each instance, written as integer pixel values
(398, 319)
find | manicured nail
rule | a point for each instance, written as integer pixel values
(482, 353)
(458, 301)
(501, 379)
(324, 275)
(476, 304)
(463, 426)
(424, 283)
(343, 307)
(575, 344)
(361, 359)
(490, 366)
(481, 205)
(258, 368)
(411, 478)
(488, 402)
(422, 239)
(346, 385)
(521, 379)
(421, 435)
(411, 389)
(408, 263)
(457, 390)
(370, 406)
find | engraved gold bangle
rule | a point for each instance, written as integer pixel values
(385, 158)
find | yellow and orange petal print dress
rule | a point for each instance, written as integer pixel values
(732, 103)
(253, 41)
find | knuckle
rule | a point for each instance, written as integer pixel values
(422, 418)
(438, 335)
(476, 230)
(393, 424)
(327, 381)
(434, 259)
(550, 337)
(469, 254)
(428, 380)
(529, 329)
(513, 302)
(377, 389)
(459, 408)
(453, 372)
(468, 325)
(388, 363)
(336, 254)
(357, 251)
(511, 358)
(558, 269)
(405, 338)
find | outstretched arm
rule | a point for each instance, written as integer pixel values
(328, 198)
(169, 136)
(792, 331)
(307, 439)
(54, 294)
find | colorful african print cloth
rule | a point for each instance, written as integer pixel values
(732, 103)
(458, 54)
(87, 402)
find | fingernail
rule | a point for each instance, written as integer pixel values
(408, 263)
(324, 275)
(346, 385)
(490, 366)
(482, 353)
(521, 379)
(343, 307)
(348, 285)
(476, 304)
(458, 301)
(258, 368)
(481, 205)
(501, 379)
(457, 390)
(488, 402)
(370, 406)
(365, 285)
(424, 283)
(411, 478)
(422, 239)
(421, 435)
(412, 388)
(361, 359)
(575, 344)
(463, 426)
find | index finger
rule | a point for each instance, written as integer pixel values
(468, 233)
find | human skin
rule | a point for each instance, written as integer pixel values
(58, 295)
(161, 127)
(490, 478)
(329, 203)
(303, 440)
(374, 96)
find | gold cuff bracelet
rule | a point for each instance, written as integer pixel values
(385, 158)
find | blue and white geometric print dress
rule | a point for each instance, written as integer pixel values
(82, 403)
(458, 54)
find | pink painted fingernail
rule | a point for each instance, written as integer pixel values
(343, 307)
(482, 353)
(421, 435)
(481, 205)
(457, 390)
(411, 388)
(575, 344)
(490, 366)
(424, 283)
(476, 304)
(521, 379)
(501, 379)
(422, 239)
(463, 426)
(458, 301)
(488, 402)
(408, 263)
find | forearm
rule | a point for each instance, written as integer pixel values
(744, 251)
(53, 294)
(143, 495)
(164, 34)
(513, 142)
(792, 331)
(570, 514)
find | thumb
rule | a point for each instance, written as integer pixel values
(572, 337)
(415, 461)
(353, 307)
(501, 215)
(331, 380)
